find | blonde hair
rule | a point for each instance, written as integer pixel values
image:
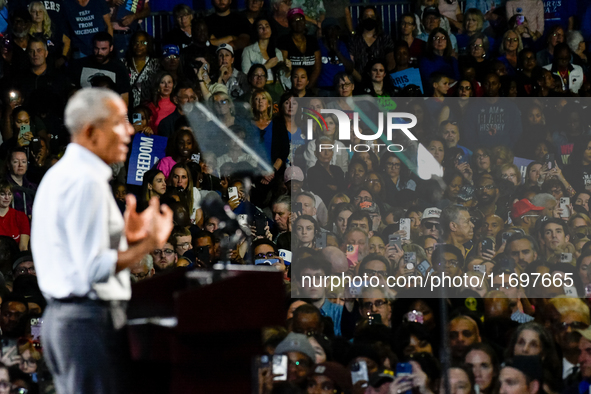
(502, 50)
(46, 19)
(564, 304)
(266, 94)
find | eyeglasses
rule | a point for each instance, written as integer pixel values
(393, 165)
(431, 225)
(362, 199)
(269, 255)
(509, 176)
(509, 39)
(476, 46)
(576, 325)
(222, 102)
(466, 87)
(184, 245)
(167, 252)
(485, 187)
(445, 263)
(376, 273)
(345, 85)
(140, 43)
(439, 38)
(378, 304)
(30, 361)
(558, 35)
(141, 276)
(25, 270)
(482, 156)
(430, 249)
(171, 57)
(373, 181)
(259, 75)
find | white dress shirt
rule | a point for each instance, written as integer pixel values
(77, 230)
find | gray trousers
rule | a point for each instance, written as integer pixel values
(83, 351)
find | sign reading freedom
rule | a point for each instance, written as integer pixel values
(146, 151)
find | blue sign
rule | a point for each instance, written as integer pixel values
(522, 164)
(146, 151)
(410, 76)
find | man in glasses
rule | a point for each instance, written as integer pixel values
(525, 214)
(143, 270)
(165, 258)
(263, 249)
(449, 260)
(373, 301)
(457, 227)
(430, 223)
(23, 265)
(573, 315)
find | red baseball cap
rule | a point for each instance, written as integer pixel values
(522, 207)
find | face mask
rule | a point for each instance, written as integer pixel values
(369, 24)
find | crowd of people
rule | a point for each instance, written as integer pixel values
(498, 89)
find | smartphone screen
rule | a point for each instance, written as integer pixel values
(233, 192)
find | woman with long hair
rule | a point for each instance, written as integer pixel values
(161, 104)
(484, 362)
(438, 58)
(265, 52)
(509, 49)
(58, 44)
(180, 148)
(396, 173)
(153, 185)
(376, 82)
(340, 218)
(142, 66)
(180, 178)
(473, 25)
(262, 110)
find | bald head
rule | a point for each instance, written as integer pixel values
(337, 259)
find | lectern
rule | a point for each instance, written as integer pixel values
(197, 331)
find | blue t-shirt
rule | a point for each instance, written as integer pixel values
(85, 22)
(557, 12)
(331, 65)
(130, 7)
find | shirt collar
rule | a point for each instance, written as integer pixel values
(84, 155)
